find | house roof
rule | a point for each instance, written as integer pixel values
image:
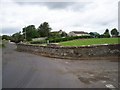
(79, 32)
(94, 32)
(57, 31)
(54, 32)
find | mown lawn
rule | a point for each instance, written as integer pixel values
(93, 41)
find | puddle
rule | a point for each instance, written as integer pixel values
(110, 86)
(89, 80)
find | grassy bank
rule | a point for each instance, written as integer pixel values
(2, 45)
(93, 41)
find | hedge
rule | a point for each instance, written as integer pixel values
(56, 40)
(38, 42)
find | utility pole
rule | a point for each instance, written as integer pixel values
(25, 34)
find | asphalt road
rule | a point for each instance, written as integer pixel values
(25, 70)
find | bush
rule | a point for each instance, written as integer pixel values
(38, 42)
(56, 40)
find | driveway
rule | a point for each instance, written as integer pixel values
(25, 70)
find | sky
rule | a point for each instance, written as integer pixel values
(66, 15)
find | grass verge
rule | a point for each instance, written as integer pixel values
(93, 41)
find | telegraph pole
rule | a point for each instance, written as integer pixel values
(25, 34)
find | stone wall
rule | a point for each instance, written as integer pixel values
(72, 52)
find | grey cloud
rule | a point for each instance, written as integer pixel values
(80, 6)
(58, 5)
(76, 6)
(9, 30)
(51, 5)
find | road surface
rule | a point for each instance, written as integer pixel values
(25, 70)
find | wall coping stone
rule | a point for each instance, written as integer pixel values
(72, 47)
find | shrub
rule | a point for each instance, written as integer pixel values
(38, 42)
(59, 39)
(53, 40)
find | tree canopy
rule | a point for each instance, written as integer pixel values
(114, 32)
(30, 32)
(44, 30)
(106, 33)
(94, 34)
(64, 34)
(6, 37)
(17, 37)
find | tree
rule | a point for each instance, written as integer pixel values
(114, 32)
(17, 37)
(64, 34)
(54, 35)
(30, 32)
(106, 33)
(6, 37)
(44, 30)
(101, 36)
(94, 34)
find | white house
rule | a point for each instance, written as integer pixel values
(36, 39)
(78, 33)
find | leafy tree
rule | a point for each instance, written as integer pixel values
(54, 35)
(106, 34)
(44, 30)
(17, 37)
(101, 36)
(64, 34)
(94, 34)
(58, 34)
(6, 37)
(30, 32)
(114, 32)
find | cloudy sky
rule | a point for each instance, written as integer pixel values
(77, 15)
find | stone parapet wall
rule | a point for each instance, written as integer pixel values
(72, 52)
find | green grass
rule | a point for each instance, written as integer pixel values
(93, 41)
(2, 45)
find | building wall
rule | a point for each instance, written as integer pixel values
(74, 34)
(82, 35)
(36, 39)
